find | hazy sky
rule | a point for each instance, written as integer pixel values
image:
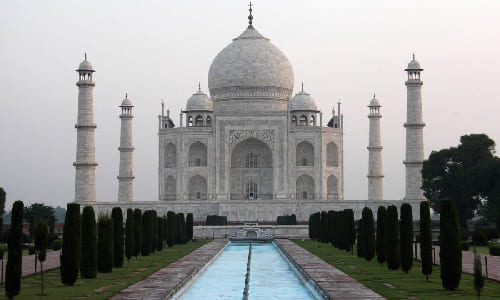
(161, 49)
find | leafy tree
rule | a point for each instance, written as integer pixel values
(392, 238)
(181, 229)
(368, 234)
(14, 263)
(129, 234)
(41, 240)
(381, 235)
(38, 211)
(171, 228)
(137, 232)
(117, 216)
(105, 245)
(147, 233)
(70, 254)
(31, 228)
(3, 196)
(466, 173)
(189, 226)
(406, 237)
(88, 263)
(425, 239)
(350, 229)
(450, 254)
(478, 275)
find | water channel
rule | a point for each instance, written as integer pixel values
(271, 276)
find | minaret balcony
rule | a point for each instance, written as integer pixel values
(83, 83)
(414, 125)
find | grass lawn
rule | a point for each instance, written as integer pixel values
(106, 284)
(397, 284)
(481, 249)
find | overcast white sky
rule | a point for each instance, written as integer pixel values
(161, 49)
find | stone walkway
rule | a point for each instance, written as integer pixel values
(468, 260)
(334, 283)
(51, 262)
(167, 281)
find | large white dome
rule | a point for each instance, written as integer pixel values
(251, 66)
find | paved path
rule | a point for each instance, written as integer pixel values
(167, 281)
(51, 262)
(468, 260)
(334, 283)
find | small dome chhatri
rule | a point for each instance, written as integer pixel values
(374, 102)
(126, 102)
(85, 66)
(414, 65)
(303, 101)
(199, 101)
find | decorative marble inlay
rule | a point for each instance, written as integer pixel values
(236, 136)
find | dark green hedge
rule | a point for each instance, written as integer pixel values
(70, 254)
(216, 220)
(287, 220)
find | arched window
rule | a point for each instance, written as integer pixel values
(303, 120)
(198, 188)
(209, 121)
(304, 187)
(294, 121)
(332, 155)
(304, 154)
(190, 121)
(312, 121)
(251, 190)
(170, 156)
(170, 188)
(198, 122)
(197, 155)
(332, 187)
(252, 160)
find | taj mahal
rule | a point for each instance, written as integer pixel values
(248, 148)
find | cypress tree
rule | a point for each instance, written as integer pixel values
(70, 253)
(360, 239)
(137, 232)
(88, 262)
(147, 233)
(159, 246)
(331, 226)
(181, 229)
(129, 234)
(117, 216)
(41, 240)
(425, 239)
(368, 234)
(154, 242)
(311, 234)
(171, 228)
(15, 243)
(406, 238)
(105, 244)
(478, 275)
(323, 232)
(3, 196)
(189, 226)
(392, 238)
(165, 229)
(350, 229)
(336, 224)
(341, 230)
(317, 226)
(380, 238)
(450, 253)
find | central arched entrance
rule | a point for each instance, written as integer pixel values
(251, 175)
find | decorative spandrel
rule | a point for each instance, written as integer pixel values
(236, 136)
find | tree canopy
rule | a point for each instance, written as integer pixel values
(468, 173)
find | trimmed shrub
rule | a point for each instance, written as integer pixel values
(425, 239)
(368, 234)
(450, 253)
(56, 245)
(323, 232)
(494, 250)
(41, 238)
(350, 229)
(14, 262)
(31, 249)
(88, 262)
(159, 246)
(478, 275)
(165, 228)
(117, 216)
(360, 239)
(189, 226)
(105, 240)
(137, 232)
(147, 233)
(216, 220)
(129, 234)
(181, 229)
(380, 237)
(406, 238)
(341, 235)
(331, 227)
(171, 228)
(465, 245)
(154, 242)
(286, 220)
(392, 238)
(310, 228)
(70, 254)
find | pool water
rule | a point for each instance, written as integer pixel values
(271, 276)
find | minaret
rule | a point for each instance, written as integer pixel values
(126, 172)
(414, 132)
(375, 175)
(85, 163)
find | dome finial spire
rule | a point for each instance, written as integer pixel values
(199, 86)
(85, 55)
(413, 55)
(302, 85)
(250, 17)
